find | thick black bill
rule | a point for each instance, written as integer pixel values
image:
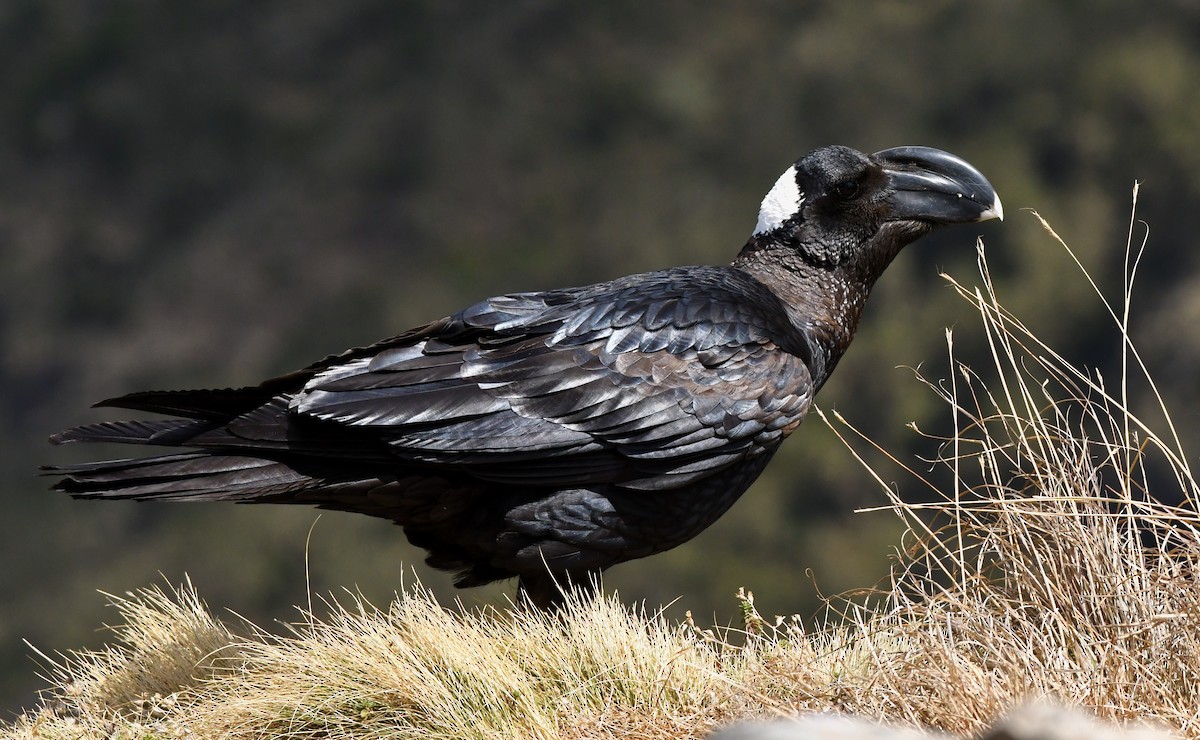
(932, 185)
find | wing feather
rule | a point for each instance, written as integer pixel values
(648, 382)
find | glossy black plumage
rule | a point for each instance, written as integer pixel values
(551, 435)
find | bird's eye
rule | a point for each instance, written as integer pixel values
(846, 189)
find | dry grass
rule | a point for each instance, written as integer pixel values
(1026, 577)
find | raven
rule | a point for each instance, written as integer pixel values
(551, 435)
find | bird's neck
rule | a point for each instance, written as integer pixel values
(824, 302)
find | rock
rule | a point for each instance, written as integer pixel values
(821, 727)
(1045, 721)
(1035, 721)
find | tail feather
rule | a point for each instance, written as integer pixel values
(155, 432)
(211, 404)
(256, 456)
(189, 476)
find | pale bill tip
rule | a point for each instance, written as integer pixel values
(996, 211)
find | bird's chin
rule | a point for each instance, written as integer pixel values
(891, 237)
(904, 231)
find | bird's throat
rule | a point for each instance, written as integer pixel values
(824, 302)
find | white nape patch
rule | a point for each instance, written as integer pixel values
(781, 203)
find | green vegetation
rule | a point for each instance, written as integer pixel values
(210, 193)
(1034, 581)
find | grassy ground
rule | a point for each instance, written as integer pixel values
(1029, 575)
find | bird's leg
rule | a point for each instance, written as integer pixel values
(547, 591)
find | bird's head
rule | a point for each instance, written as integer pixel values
(839, 207)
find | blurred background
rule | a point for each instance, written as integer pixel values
(207, 194)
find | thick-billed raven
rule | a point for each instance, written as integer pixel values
(551, 435)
